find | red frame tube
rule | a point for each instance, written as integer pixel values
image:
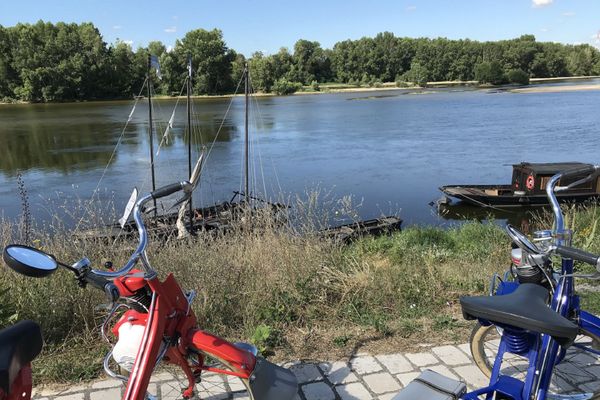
(169, 317)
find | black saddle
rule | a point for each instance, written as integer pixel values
(525, 308)
(19, 345)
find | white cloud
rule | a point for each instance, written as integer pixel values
(411, 8)
(171, 29)
(569, 14)
(169, 49)
(544, 30)
(541, 3)
(117, 27)
(129, 42)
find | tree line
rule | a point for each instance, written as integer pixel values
(46, 62)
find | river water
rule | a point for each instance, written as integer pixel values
(389, 150)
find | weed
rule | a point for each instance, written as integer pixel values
(274, 285)
(25, 213)
(342, 340)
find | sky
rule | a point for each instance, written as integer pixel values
(267, 25)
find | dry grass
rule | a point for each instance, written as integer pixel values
(297, 295)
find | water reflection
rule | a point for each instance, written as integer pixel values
(56, 147)
(517, 216)
(395, 150)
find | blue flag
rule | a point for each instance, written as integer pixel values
(156, 65)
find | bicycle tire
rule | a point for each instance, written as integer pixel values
(578, 372)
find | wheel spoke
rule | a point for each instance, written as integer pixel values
(212, 386)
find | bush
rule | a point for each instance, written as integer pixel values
(518, 76)
(490, 72)
(315, 86)
(400, 82)
(417, 74)
(283, 87)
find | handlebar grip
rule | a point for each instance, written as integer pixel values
(167, 190)
(585, 170)
(579, 255)
(96, 281)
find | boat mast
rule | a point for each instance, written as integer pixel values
(246, 191)
(149, 76)
(189, 127)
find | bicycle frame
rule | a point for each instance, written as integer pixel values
(170, 330)
(171, 333)
(545, 352)
(170, 317)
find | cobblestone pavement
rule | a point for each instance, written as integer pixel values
(364, 377)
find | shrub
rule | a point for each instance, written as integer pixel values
(518, 76)
(283, 87)
(400, 82)
(417, 74)
(490, 72)
(315, 86)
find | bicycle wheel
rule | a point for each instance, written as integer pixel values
(577, 373)
(171, 381)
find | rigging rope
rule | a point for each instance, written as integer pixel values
(95, 191)
(256, 121)
(165, 135)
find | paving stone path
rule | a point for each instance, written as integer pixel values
(364, 377)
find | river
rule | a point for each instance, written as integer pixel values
(389, 150)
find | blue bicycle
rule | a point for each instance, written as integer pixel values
(535, 320)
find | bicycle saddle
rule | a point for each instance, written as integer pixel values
(19, 345)
(525, 308)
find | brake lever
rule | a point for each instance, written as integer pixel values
(595, 276)
(148, 210)
(572, 185)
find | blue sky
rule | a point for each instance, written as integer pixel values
(268, 25)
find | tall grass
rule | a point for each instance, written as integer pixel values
(295, 293)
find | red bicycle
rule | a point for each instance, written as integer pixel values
(157, 324)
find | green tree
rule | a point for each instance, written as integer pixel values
(211, 59)
(237, 69)
(7, 74)
(262, 72)
(518, 76)
(581, 60)
(311, 62)
(122, 70)
(489, 72)
(417, 74)
(284, 87)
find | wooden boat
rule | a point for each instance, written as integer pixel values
(189, 220)
(527, 188)
(347, 232)
(218, 217)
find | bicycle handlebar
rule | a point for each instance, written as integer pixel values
(137, 216)
(550, 187)
(168, 189)
(578, 255)
(585, 170)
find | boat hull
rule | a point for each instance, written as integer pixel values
(504, 196)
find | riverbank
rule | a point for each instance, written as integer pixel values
(387, 86)
(295, 296)
(556, 89)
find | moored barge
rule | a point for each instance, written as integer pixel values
(528, 187)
